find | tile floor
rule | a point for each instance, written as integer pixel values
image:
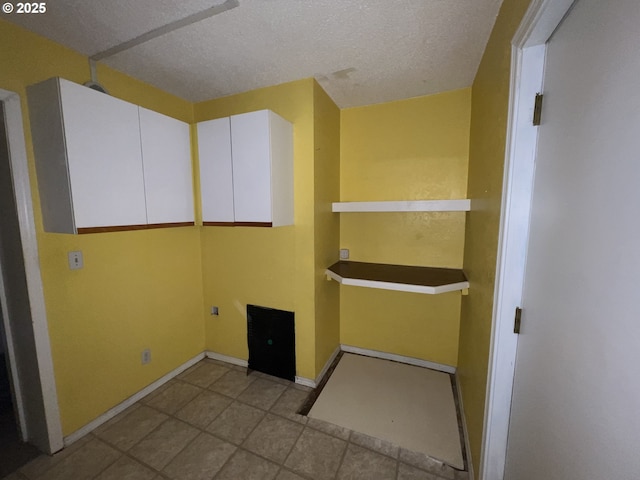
(215, 422)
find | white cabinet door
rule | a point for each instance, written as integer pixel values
(166, 158)
(246, 169)
(216, 173)
(251, 147)
(102, 136)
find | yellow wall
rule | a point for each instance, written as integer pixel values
(489, 108)
(327, 224)
(405, 150)
(272, 267)
(101, 317)
(137, 289)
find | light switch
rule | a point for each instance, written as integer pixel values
(75, 260)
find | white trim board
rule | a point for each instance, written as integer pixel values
(22, 190)
(398, 287)
(244, 363)
(399, 358)
(527, 73)
(459, 205)
(109, 414)
(327, 365)
(465, 430)
(226, 358)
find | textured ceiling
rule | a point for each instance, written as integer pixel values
(361, 51)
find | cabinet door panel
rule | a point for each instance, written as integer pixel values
(166, 158)
(250, 143)
(105, 162)
(216, 176)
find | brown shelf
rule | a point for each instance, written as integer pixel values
(429, 280)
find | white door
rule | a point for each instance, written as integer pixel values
(576, 398)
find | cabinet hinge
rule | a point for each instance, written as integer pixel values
(537, 109)
(517, 320)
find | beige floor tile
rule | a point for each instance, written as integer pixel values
(427, 463)
(282, 381)
(363, 464)
(127, 469)
(236, 422)
(116, 419)
(246, 466)
(330, 428)
(316, 454)
(14, 476)
(204, 374)
(273, 438)
(173, 397)
(262, 393)
(132, 428)
(407, 472)
(232, 383)
(85, 463)
(164, 443)
(38, 466)
(203, 409)
(376, 444)
(201, 460)
(289, 403)
(287, 475)
(303, 388)
(461, 475)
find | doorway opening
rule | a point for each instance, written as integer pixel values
(27, 346)
(14, 452)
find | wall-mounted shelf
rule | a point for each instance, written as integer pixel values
(398, 277)
(461, 205)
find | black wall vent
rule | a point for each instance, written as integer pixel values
(272, 341)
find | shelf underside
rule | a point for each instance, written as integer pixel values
(404, 278)
(459, 205)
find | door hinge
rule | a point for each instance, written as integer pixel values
(537, 109)
(517, 320)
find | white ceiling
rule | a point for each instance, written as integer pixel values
(361, 51)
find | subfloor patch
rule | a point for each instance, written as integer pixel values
(412, 407)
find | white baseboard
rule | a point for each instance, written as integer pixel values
(467, 445)
(314, 383)
(307, 382)
(328, 364)
(399, 358)
(244, 363)
(226, 358)
(109, 414)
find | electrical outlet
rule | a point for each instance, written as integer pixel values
(344, 254)
(146, 356)
(214, 310)
(75, 260)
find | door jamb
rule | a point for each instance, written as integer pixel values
(22, 190)
(528, 50)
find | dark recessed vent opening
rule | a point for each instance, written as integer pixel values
(272, 341)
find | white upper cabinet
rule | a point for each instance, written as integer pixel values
(89, 150)
(166, 158)
(216, 171)
(246, 169)
(88, 157)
